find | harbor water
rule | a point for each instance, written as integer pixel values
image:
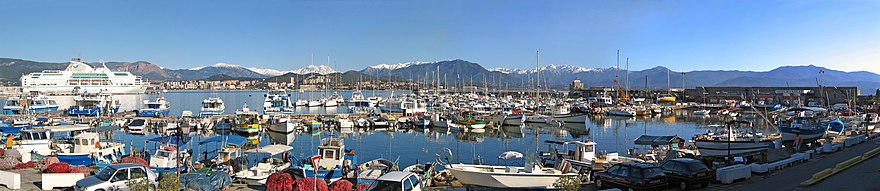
(613, 134)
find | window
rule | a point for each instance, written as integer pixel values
(120, 175)
(105, 173)
(613, 170)
(635, 172)
(693, 167)
(623, 171)
(138, 173)
(387, 186)
(652, 172)
(407, 185)
(415, 180)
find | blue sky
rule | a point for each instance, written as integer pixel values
(681, 35)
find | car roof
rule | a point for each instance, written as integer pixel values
(125, 165)
(638, 165)
(394, 176)
(685, 160)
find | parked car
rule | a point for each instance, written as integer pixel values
(685, 173)
(116, 177)
(632, 176)
(398, 181)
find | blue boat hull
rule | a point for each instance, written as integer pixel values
(152, 113)
(84, 112)
(76, 160)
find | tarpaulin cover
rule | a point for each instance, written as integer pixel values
(200, 181)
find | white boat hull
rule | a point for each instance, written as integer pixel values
(283, 127)
(720, 148)
(571, 118)
(469, 175)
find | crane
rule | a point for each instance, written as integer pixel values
(623, 97)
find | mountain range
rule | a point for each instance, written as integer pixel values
(460, 71)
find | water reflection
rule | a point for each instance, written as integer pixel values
(613, 134)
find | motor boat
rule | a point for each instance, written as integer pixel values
(86, 149)
(246, 121)
(212, 106)
(157, 108)
(261, 171)
(732, 142)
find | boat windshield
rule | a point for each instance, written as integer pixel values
(164, 154)
(154, 106)
(388, 186)
(105, 173)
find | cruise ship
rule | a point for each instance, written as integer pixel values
(80, 77)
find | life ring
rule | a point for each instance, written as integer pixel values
(680, 144)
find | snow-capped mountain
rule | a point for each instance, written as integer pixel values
(565, 68)
(269, 72)
(320, 69)
(386, 67)
(218, 65)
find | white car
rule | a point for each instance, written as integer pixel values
(398, 181)
(115, 177)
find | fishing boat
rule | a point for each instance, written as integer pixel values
(212, 106)
(170, 155)
(278, 102)
(261, 171)
(93, 104)
(14, 105)
(571, 118)
(155, 108)
(329, 163)
(34, 141)
(732, 142)
(516, 118)
(246, 121)
(285, 124)
(86, 148)
(466, 119)
(803, 123)
(621, 111)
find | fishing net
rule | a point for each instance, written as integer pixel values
(86, 171)
(341, 185)
(58, 167)
(363, 186)
(48, 161)
(8, 163)
(29, 164)
(136, 160)
(279, 181)
(13, 153)
(2, 151)
(309, 184)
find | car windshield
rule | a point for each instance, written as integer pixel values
(388, 186)
(105, 173)
(696, 167)
(652, 172)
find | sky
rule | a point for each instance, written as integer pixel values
(682, 35)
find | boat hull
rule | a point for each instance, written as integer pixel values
(720, 148)
(572, 118)
(285, 127)
(504, 179)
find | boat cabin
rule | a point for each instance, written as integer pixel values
(85, 142)
(583, 151)
(332, 152)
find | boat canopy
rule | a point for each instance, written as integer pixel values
(229, 139)
(170, 140)
(657, 140)
(271, 149)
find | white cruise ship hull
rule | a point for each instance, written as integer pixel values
(68, 88)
